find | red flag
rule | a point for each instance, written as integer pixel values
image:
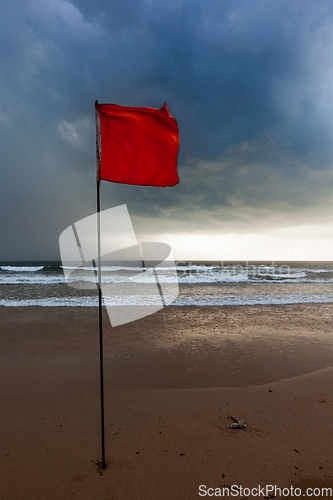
(136, 145)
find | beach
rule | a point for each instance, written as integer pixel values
(172, 382)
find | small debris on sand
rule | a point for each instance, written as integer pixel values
(238, 425)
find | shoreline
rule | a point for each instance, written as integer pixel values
(177, 306)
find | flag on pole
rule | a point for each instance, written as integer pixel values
(133, 146)
(136, 145)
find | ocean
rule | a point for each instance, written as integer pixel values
(200, 283)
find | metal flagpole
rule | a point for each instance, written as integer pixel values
(98, 151)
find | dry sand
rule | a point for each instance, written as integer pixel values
(172, 382)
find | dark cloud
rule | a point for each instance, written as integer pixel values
(249, 82)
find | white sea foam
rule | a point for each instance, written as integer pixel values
(319, 270)
(104, 268)
(52, 302)
(22, 269)
(32, 279)
(133, 274)
(182, 300)
(202, 285)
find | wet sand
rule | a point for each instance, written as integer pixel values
(172, 382)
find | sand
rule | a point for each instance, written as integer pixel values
(172, 382)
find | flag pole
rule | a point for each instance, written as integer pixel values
(98, 184)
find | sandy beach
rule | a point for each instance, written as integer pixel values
(172, 382)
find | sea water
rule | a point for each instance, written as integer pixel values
(200, 283)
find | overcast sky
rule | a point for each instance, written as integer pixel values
(250, 83)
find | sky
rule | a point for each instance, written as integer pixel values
(250, 83)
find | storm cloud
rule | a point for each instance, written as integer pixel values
(249, 82)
